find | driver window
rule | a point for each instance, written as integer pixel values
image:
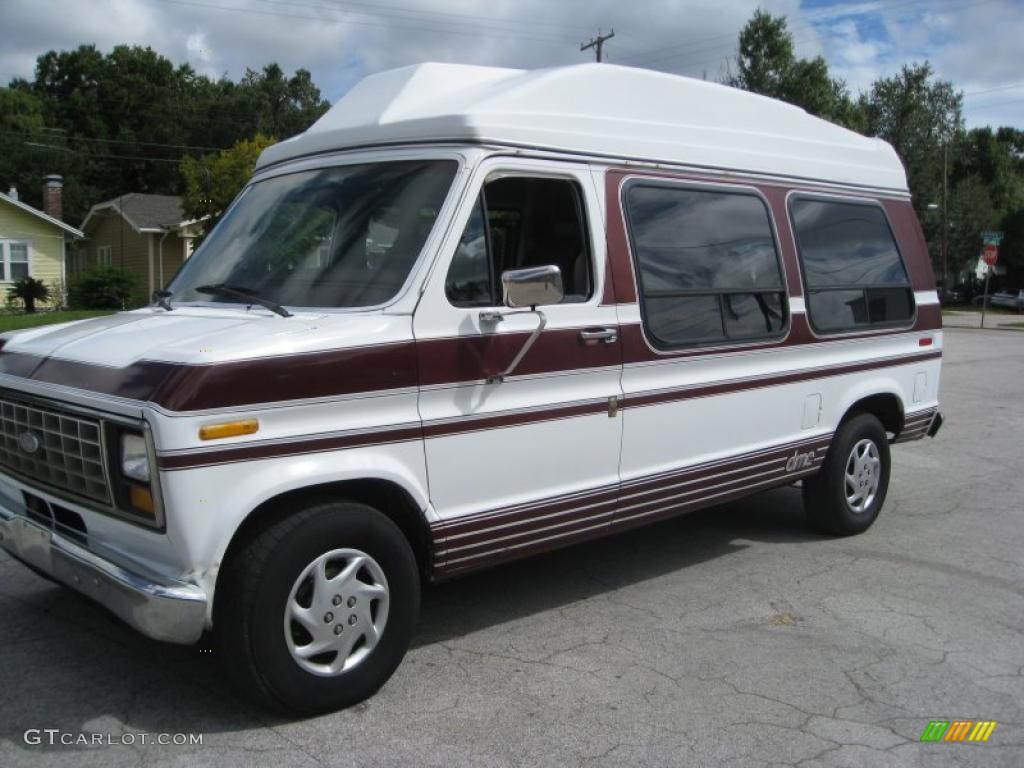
(521, 222)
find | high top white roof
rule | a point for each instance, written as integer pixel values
(597, 109)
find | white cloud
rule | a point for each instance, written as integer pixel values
(973, 43)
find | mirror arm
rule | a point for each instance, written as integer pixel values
(496, 317)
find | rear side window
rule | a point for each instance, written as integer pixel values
(707, 265)
(853, 272)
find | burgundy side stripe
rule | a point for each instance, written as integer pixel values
(637, 350)
(707, 390)
(478, 423)
(293, 447)
(355, 370)
(472, 358)
(916, 425)
(313, 443)
(485, 538)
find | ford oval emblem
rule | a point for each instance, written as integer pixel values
(29, 442)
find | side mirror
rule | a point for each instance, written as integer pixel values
(533, 286)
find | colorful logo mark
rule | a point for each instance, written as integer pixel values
(958, 730)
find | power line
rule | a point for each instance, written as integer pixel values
(59, 133)
(383, 10)
(53, 148)
(482, 31)
(807, 23)
(995, 104)
(807, 31)
(1006, 87)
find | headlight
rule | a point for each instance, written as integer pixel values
(134, 457)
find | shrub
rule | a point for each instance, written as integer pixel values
(29, 290)
(100, 288)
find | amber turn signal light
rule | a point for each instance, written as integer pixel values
(229, 429)
(141, 499)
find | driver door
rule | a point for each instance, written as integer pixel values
(529, 462)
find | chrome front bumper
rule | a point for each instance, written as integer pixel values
(162, 609)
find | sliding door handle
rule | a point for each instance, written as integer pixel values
(591, 336)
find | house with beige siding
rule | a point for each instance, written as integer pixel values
(148, 235)
(35, 243)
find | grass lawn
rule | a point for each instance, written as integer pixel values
(19, 321)
(971, 309)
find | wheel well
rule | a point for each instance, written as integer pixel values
(388, 498)
(887, 408)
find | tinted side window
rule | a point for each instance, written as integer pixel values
(707, 265)
(522, 222)
(469, 282)
(852, 268)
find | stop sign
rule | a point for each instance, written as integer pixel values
(991, 254)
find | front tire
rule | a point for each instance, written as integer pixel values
(846, 495)
(315, 612)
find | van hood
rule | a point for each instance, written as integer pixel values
(150, 354)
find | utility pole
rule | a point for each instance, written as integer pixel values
(597, 43)
(945, 217)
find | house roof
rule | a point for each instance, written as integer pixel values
(597, 109)
(145, 213)
(39, 214)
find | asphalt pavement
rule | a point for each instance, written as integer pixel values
(732, 637)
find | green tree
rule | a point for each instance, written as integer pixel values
(918, 115)
(767, 64)
(765, 54)
(992, 157)
(1011, 251)
(971, 212)
(123, 121)
(921, 117)
(214, 180)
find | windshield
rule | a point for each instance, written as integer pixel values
(346, 236)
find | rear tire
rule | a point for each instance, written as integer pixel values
(846, 495)
(315, 612)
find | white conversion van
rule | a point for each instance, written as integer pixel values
(472, 314)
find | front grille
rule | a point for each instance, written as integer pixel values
(68, 449)
(56, 517)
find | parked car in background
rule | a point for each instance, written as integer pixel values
(1004, 299)
(472, 314)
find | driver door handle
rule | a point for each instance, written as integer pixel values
(592, 336)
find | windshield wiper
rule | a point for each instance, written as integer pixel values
(244, 293)
(161, 298)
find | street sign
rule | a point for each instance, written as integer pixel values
(992, 238)
(991, 254)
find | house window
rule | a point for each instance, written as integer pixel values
(16, 256)
(707, 265)
(104, 256)
(852, 268)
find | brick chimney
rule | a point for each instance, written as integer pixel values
(53, 196)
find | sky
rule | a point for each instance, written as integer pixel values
(974, 43)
